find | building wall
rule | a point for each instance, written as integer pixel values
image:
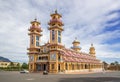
(6, 64)
(56, 66)
(53, 64)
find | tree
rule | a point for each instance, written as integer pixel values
(112, 64)
(11, 66)
(24, 66)
(116, 65)
(105, 65)
(18, 66)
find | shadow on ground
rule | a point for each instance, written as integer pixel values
(91, 79)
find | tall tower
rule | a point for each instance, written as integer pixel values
(92, 51)
(55, 28)
(35, 34)
(76, 44)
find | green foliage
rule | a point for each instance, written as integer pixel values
(105, 65)
(116, 63)
(14, 67)
(24, 66)
(11, 64)
(114, 66)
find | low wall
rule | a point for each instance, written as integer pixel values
(84, 70)
(97, 70)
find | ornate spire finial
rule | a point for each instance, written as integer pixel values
(91, 44)
(75, 38)
(35, 19)
(56, 11)
(92, 50)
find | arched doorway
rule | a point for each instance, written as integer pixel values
(59, 67)
(85, 66)
(38, 67)
(44, 67)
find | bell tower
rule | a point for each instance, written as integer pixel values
(35, 34)
(76, 44)
(55, 28)
(92, 51)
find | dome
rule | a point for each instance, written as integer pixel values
(56, 13)
(56, 21)
(92, 47)
(75, 41)
(35, 25)
(35, 21)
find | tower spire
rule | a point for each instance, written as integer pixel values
(56, 11)
(55, 45)
(91, 44)
(75, 38)
(34, 33)
(55, 28)
(76, 44)
(92, 50)
(35, 19)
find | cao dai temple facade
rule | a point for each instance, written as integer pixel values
(53, 56)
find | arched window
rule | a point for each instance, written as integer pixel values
(40, 58)
(85, 66)
(72, 66)
(53, 35)
(59, 58)
(59, 36)
(32, 39)
(38, 50)
(66, 66)
(52, 66)
(44, 50)
(78, 66)
(37, 40)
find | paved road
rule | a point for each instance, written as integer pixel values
(37, 77)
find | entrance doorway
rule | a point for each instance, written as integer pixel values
(44, 67)
(59, 67)
(41, 67)
(38, 67)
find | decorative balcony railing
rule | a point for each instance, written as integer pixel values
(60, 60)
(42, 61)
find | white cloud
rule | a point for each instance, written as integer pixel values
(84, 19)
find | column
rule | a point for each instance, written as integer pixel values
(83, 66)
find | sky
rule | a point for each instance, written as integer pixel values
(91, 21)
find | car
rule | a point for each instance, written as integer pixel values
(45, 73)
(24, 71)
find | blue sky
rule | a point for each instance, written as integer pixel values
(91, 21)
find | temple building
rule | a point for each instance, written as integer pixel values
(53, 56)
